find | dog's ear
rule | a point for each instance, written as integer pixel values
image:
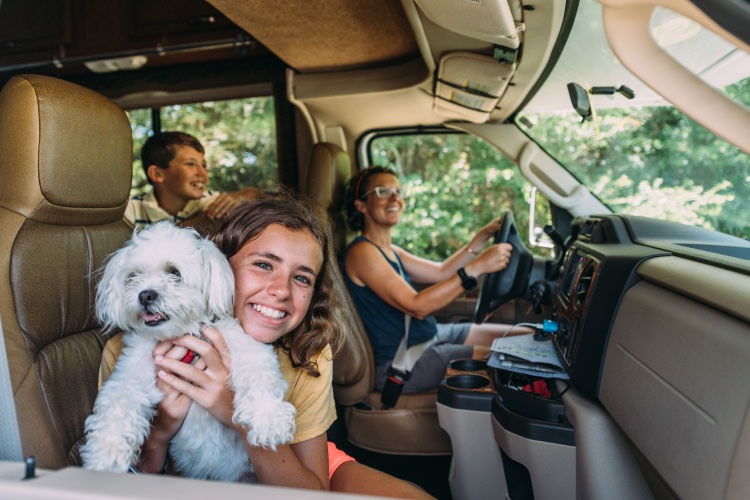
(218, 280)
(110, 297)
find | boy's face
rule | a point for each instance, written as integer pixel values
(274, 281)
(186, 176)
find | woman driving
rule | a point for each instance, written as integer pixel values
(380, 277)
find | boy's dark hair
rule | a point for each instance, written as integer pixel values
(160, 149)
(355, 188)
(319, 327)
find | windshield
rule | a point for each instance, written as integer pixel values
(642, 156)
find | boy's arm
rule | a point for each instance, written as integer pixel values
(226, 202)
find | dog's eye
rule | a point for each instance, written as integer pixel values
(131, 276)
(174, 272)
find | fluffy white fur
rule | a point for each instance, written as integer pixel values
(188, 283)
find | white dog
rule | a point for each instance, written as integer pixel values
(164, 283)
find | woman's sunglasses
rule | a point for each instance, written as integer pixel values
(384, 192)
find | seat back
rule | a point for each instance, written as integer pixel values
(329, 170)
(65, 172)
(411, 428)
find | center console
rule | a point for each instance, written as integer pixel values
(464, 405)
(536, 447)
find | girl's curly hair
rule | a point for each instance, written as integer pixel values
(318, 328)
(355, 188)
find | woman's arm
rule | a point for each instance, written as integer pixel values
(366, 266)
(303, 465)
(427, 271)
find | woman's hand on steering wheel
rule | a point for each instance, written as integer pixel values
(484, 235)
(492, 259)
(490, 229)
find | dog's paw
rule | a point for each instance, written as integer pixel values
(114, 455)
(272, 426)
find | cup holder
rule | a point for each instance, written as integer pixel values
(468, 365)
(467, 382)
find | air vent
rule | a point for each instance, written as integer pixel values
(587, 229)
(584, 284)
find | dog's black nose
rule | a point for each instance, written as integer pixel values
(147, 297)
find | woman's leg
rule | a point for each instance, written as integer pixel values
(353, 477)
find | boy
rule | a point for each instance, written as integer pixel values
(175, 166)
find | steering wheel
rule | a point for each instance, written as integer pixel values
(495, 289)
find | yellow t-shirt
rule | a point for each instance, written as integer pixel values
(312, 396)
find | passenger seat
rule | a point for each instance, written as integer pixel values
(411, 428)
(65, 173)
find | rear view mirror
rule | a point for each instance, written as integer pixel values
(579, 98)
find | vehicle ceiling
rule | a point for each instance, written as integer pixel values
(222, 49)
(378, 58)
(308, 36)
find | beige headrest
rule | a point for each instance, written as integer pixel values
(65, 152)
(328, 171)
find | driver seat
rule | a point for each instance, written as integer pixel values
(411, 428)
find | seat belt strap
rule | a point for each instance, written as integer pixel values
(403, 361)
(406, 358)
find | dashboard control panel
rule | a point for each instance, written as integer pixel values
(598, 267)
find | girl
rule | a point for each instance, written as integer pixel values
(278, 252)
(379, 277)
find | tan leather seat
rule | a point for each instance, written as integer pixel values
(65, 171)
(411, 428)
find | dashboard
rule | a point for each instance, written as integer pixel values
(600, 266)
(654, 331)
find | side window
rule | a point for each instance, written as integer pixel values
(455, 184)
(239, 137)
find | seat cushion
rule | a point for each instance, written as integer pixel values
(411, 428)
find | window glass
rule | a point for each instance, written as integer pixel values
(642, 156)
(239, 137)
(710, 57)
(455, 184)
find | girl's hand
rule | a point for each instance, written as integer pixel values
(170, 415)
(207, 386)
(494, 258)
(172, 410)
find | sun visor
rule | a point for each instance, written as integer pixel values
(470, 85)
(488, 20)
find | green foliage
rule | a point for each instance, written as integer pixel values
(239, 137)
(656, 162)
(456, 184)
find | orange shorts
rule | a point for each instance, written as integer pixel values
(336, 457)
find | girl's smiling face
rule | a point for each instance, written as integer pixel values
(274, 281)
